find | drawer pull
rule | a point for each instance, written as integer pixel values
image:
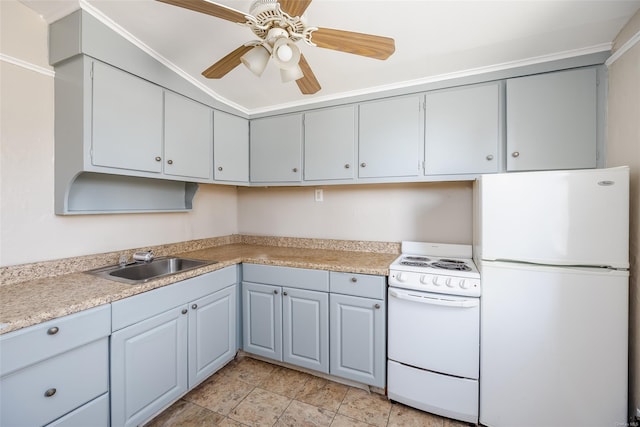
(354, 279)
(53, 330)
(50, 392)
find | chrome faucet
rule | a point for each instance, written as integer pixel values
(143, 256)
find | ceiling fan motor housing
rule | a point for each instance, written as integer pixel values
(265, 15)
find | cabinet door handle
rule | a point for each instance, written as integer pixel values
(295, 169)
(220, 168)
(377, 306)
(158, 158)
(354, 279)
(184, 311)
(50, 392)
(194, 306)
(363, 164)
(347, 166)
(490, 157)
(53, 330)
(285, 293)
(170, 161)
(275, 291)
(515, 154)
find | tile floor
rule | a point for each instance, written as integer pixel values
(250, 392)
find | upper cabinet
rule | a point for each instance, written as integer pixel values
(391, 137)
(131, 118)
(552, 121)
(230, 148)
(188, 137)
(330, 137)
(276, 149)
(463, 130)
(126, 122)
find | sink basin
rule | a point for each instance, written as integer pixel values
(143, 272)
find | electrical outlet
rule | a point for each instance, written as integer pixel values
(318, 195)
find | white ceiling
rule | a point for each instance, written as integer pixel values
(435, 40)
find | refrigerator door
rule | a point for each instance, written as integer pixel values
(578, 217)
(553, 346)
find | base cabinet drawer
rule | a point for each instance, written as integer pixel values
(94, 414)
(44, 392)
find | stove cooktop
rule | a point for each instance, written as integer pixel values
(440, 268)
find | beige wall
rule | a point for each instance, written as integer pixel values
(29, 230)
(623, 148)
(437, 212)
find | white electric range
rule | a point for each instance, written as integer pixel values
(434, 330)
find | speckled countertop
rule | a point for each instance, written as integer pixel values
(35, 301)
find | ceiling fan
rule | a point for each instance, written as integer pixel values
(279, 24)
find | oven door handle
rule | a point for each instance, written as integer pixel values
(459, 303)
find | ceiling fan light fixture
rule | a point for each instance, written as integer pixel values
(256, 59)
(291, 74)
(286, 53)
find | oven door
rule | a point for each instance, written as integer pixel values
(436, 332)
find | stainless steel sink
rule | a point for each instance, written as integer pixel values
(136, 273)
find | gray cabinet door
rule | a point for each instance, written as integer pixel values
(127, 117)
(358, 339)
(212, 334)
(188, 137)
(262, 320)
(462, 130)
(330, 143)
(230, 147)
(148, 367)
(391, 137)
(276, 149)
(305, 328)
(552, 121)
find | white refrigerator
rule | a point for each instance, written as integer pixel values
(552, 248)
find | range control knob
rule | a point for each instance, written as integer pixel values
(424, 279)
(463, 284)
(435, 281)
(401, 277)
(448, 282)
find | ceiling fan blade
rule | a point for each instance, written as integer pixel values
(377, 47)
(294, 7)
(213, 9)
(226, 64)
(308, 84)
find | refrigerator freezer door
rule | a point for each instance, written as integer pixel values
(576, 217)
(553, 346)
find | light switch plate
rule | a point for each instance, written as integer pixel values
(318, 195)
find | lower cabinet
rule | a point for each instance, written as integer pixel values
(148, 366)
(358, 345)
(287, 324)
(155, 360)
(358, 327)
(326, 321)
(57, 372)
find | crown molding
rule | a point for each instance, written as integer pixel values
(27, 65)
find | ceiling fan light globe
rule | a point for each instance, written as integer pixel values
(291, 74)
(256, 60)
(284, 53)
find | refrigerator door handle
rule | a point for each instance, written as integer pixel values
(463, 303)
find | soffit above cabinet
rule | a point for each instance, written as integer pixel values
(435, 41)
